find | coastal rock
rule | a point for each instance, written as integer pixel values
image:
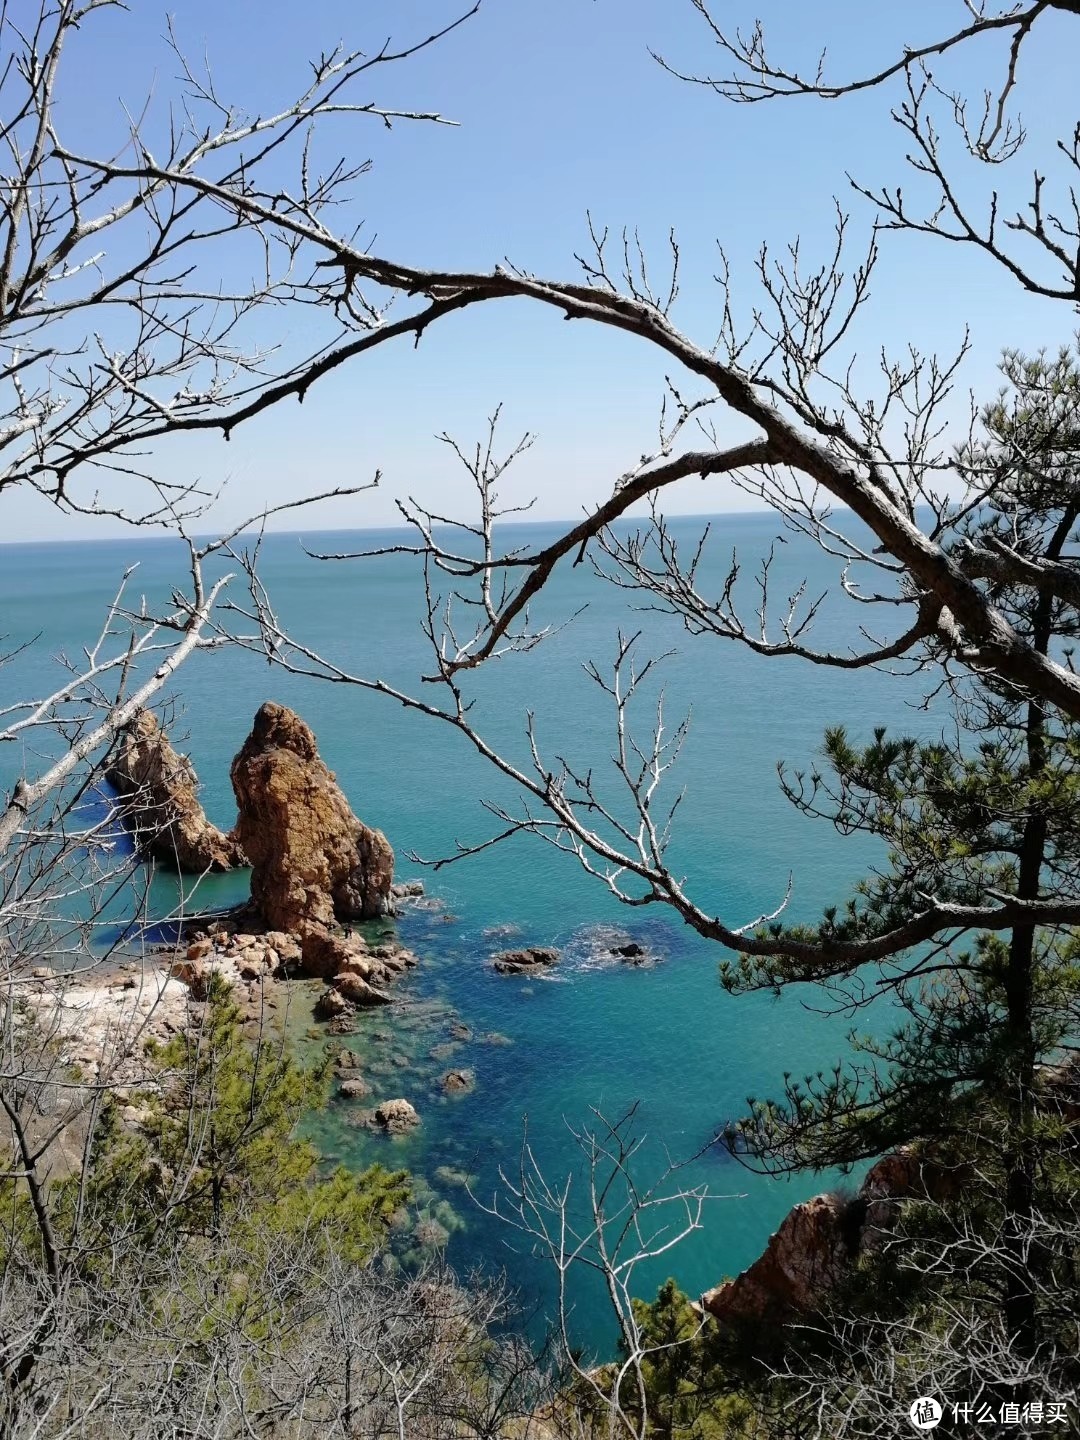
(630, 951)
(253, 966)
(458, 1082)
(396, 1117)
(193, 974)
(313, 862)
(287, 946)
(330, 1005)
(802, 1262)
(325, 953)
(354, 1089)
(357, 991)
(526, 961)
(818, 1241)
(159, 802)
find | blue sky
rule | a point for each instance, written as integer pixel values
(561, 111)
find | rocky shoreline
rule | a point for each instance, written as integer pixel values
(316, 872)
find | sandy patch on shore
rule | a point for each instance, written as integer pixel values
(103, 1017)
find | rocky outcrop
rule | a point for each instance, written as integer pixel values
(630, 951)
(357, 975)
(159, 795)
(527, 961)
(803, 1261)
(818, 1241)
(396, 1117)
(314, 864)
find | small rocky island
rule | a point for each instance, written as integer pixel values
(315, 866)
(159, 803)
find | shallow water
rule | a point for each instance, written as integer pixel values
(595, 1032)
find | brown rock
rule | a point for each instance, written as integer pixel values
(354, 1089)
(398, 961)
(313, 862)
(395, 1116)
(325, 953)
(159, 802)
(818, 1241)
(286, 946)
(357, 964)
(194, 975)
(200, 949)
(801, 1264)
(458, 1082)
(525, 961)
(330, 1005)
(358, 992)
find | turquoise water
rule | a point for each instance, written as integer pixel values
(593, 1034)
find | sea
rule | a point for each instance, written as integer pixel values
(657, 1048)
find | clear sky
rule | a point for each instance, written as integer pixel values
(562, 110)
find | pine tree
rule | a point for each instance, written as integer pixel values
(977, 1075)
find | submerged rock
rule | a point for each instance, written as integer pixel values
(159, 802)
(451, 1175)
(430, 1234)
(526, 961)
(630, 951)
(314, 864)
(458, 1082)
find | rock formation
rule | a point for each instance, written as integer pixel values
(803, 1261)
(396, 1117)
(159, 791)
(818, 1241)
(527, 961)
(314, 864)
